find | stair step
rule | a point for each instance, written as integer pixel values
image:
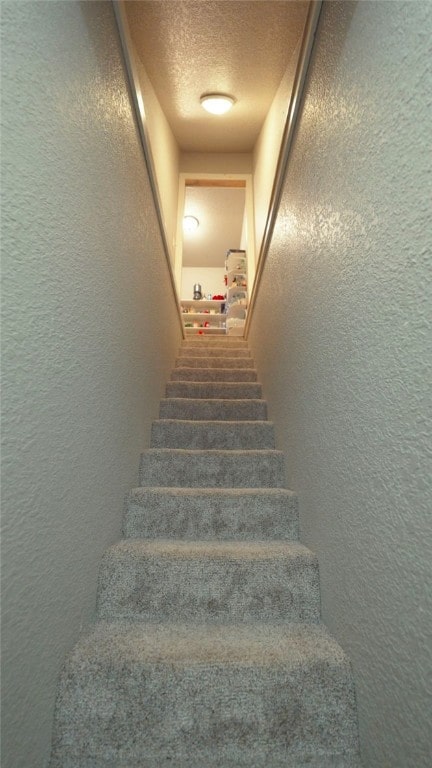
(211, 581)
(211, 513)
(212, 695)
(212, 409)
(279, 760)
(176, 433)
(218, 390)
(211, 469)
(208, 651)
(214, 374)
(226, 353)
(226, 342)
(214, 362)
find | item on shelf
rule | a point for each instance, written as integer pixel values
(204, 316)
(235, 259)
(197, 293)
(238, 298)
(235, 250)
(236, 270)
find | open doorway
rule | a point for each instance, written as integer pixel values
(222, 210)
(219, 211)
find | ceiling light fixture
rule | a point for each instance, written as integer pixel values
(217, 103)
(190, 223)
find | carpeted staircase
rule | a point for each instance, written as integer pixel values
(208, 650)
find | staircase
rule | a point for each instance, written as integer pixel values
(208, 650)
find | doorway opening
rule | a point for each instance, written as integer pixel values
(222, 209)
(223, 205)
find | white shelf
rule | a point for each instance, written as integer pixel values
(241, 284)
(202, 315)
(196, 312)
(235, 260)
(205, 331)
(237, 297)
(211, 319)
(202, 303)
(235, 330)
(237, 311)
(240, 293)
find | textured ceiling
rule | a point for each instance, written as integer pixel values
(220, 213)
(235, 46)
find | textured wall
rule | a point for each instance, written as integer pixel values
(89, 333)
(342, 335)
(268, 146)
(165, 154)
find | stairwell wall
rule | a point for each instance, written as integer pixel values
(342, 338)
(268, 146)
(165, 154)
(90, 331)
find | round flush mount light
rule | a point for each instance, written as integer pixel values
(217, 103)
(190, 223)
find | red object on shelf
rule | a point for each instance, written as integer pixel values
(219, 297)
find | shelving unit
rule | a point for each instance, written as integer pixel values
(237, 295)
(222, 316)
(197, 312)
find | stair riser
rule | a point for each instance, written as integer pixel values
(218, 410)
(219, 715)
(214, 362)
(230, 469)
(207, 589)
(218, 352)
(214, 374)
(225, 342)
(211, 435)
(194, 514)
(217, 390)
(199, 759)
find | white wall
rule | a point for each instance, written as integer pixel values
(215, 162)
(342, 336)
(165, 154)
(90, 332)
(210, 278)
(267, 148)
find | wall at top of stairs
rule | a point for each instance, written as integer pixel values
(341, 335)
(90, 331)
